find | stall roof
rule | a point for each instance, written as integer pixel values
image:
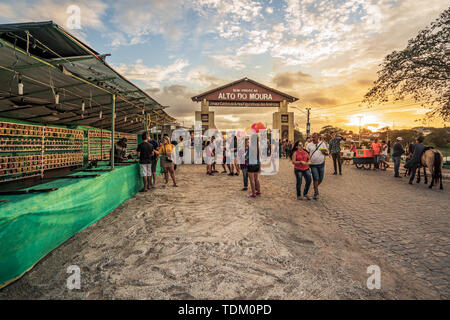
(50, 62)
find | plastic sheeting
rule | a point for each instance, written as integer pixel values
(32, 225)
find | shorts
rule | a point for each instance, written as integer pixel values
(253, 168)
(317, 171)
(146, 170)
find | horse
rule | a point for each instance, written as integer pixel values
(433, 160)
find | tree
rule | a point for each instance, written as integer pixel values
(439, 137)
(420, 71)
(298, 136)
(328, 130)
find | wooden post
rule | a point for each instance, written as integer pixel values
(113, 129)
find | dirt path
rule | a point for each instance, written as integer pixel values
(207, 240)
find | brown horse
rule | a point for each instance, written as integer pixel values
(433, 160)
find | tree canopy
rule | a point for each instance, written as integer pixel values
(326, 132)
(421, 71)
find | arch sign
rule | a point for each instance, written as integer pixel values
(247, 93)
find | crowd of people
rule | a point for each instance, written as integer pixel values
(307, 158)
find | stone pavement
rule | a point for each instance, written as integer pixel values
(406, 224)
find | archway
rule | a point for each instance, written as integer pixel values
(247, 93)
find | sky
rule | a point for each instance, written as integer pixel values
(326, 52)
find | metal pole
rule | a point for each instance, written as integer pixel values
(308, 124)
(113, 129)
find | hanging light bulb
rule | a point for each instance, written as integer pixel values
(131, 121)
(83, 106)
(101, 114)
(56, 97)
(20, 86)
(125, 119)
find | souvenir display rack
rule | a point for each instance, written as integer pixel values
(62, 148)
(28, 150)
(132, 141)
(99, 144)
(20, 151)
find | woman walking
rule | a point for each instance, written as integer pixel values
(165, 152)
(300, 159)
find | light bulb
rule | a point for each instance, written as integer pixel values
(20, 87)
(125, 119)
(56, 98)
(83, 106)
(101, 114)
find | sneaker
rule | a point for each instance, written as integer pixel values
(252, 196)
(236, 174)
(244, 189)
(334, 174)
(299, 198)
(316, 196)
(340, 173)
(307, 197)
(258, 193)
(224, 171)
(231, 174)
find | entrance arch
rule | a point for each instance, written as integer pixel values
(247, 93)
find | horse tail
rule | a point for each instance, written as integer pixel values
(437, 167)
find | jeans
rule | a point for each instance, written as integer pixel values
(245, 176)
(317, 171)
(413, 171)
(377, 161)
(396, 166)
(337, 161)
(298, 175)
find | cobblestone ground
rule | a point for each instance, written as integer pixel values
(207, 240)
(404, 227)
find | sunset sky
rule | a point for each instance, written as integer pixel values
(326, 53)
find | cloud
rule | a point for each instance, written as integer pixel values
(153, 76)
(289, 79)
(228, 62)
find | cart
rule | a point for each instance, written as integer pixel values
(364, 162)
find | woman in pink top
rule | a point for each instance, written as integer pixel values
(300, 159)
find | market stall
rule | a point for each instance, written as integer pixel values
(62, 108)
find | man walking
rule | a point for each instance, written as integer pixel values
(397, 156)
(317, 151)
(416, 159)
(335, 150)
(145, 152)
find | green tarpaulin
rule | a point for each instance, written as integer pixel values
(32, 225)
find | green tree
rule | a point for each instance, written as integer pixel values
(439, 137)
(298, 136)
(326, 132)
(421, 71)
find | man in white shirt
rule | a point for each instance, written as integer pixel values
(317, 151)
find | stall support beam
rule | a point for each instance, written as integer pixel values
(113, 128)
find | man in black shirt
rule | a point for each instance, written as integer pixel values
(397, 156)
(145, 152)
(120, 150)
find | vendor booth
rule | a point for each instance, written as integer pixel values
(62, 110)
